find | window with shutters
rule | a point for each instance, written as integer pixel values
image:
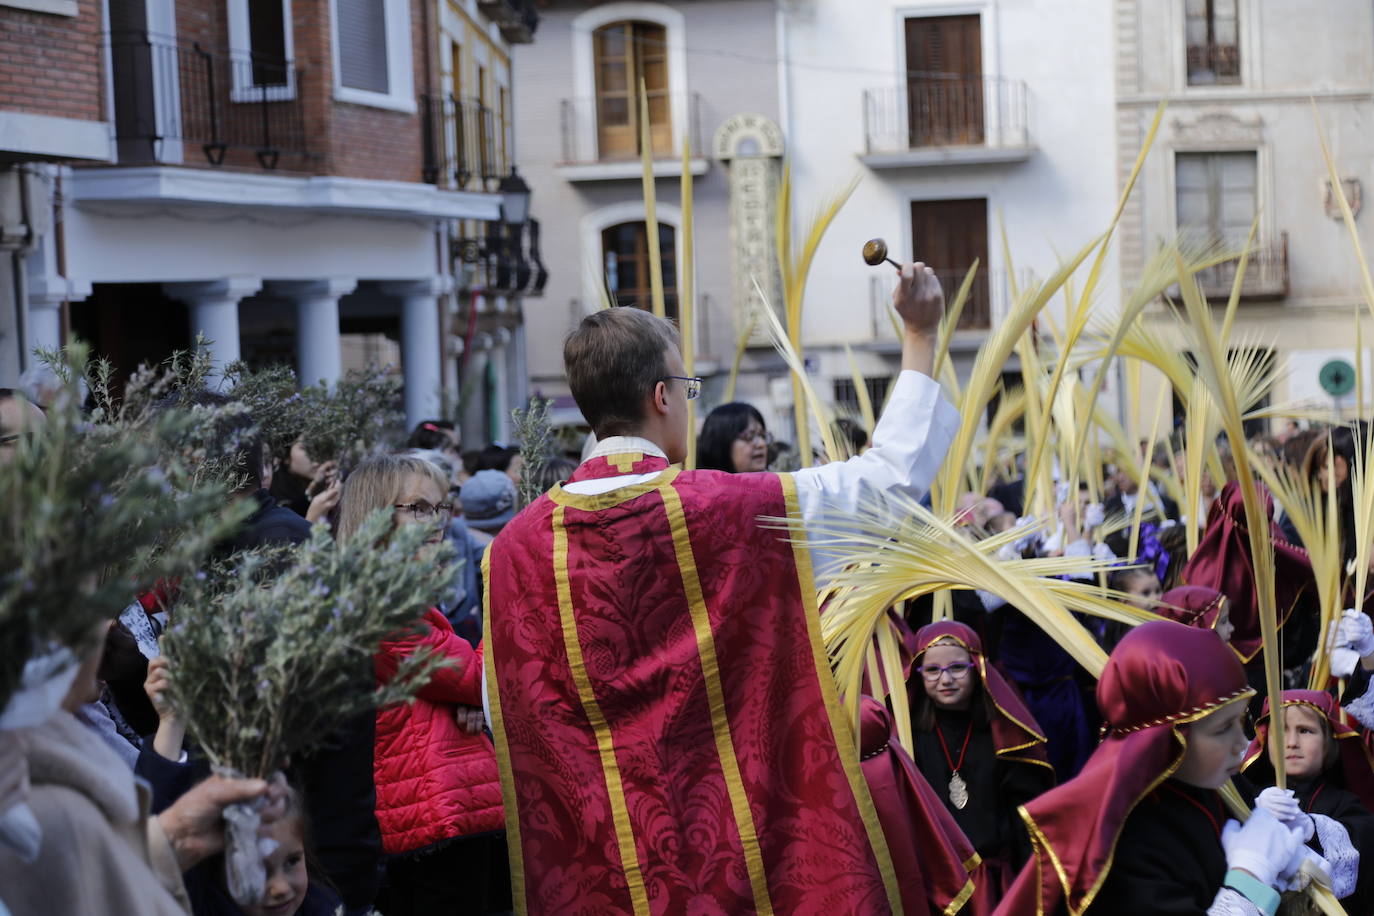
(1212, 32)
(625, 257)
(1216, 195)
(372, 54)
(944, 81)
(628, 56)
(260, 46)
(951, 235)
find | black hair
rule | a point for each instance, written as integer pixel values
(432, 435)
(719, 432)
(495, 457)
(845, 428)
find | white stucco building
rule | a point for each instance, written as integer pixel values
(1243, 79)
(954, 116)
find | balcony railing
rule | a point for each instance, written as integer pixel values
(1266, 274)
(233, 108)
(1213, 63)
(517, 19)
(985, 112)
(606, 130)
(463, 144)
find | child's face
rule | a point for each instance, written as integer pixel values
(287, 879)
(948, 674)
(1224, 627)
(1145, 586)
(1216, 743)
(1304, 742)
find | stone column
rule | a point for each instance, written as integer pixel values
(421, 346)
(214, 306)
(500, 390)
(318, 358)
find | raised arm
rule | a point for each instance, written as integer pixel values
(915, 430)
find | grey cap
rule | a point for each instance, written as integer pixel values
(488, 500)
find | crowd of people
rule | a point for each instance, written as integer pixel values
(636, 712)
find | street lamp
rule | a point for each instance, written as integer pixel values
(515, 202)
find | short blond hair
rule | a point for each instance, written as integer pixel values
(613, 360)
(378, 483)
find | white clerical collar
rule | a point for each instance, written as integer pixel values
(620, 445)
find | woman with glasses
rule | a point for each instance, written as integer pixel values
(976, 744)
(733, 438)
(438, 792)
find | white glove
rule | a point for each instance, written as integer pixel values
(1261, 846)
(1343, 662)
(1094, 516)
(1356, 631)
(1284, 805)
(1305, 865)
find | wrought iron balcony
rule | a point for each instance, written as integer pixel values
(944, 121)
(606, 130)
(1266, 274)
(237, 108)
(517, 19)
(463, 144)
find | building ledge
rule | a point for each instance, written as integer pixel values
(106, 187)
(925, 157)
(34, 136)
(629, 170)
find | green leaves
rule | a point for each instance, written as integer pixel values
(89, 513)
(268, 661)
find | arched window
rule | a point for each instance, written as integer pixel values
(625, 257)
(628, 53)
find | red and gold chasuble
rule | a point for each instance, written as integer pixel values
(669, 733)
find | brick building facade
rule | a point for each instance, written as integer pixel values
(271, 174)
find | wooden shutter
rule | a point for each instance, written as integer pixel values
(361, 30)
(944, 62)
(950, 235)
(626, 54)
(1215, 194)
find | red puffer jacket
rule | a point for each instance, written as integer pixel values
(434, 781)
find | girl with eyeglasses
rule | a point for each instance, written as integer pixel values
(976, 744)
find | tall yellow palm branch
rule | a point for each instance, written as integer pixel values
(894, 549)
(1238, 379)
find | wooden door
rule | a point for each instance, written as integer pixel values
(950, 235)
(625, 257)
(944, 83)
(628, 54)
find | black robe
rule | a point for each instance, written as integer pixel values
(1324, 795)
(1169, 860)
(995, 786)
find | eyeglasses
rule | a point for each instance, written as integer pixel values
(750, 436)
(958, 671)
(425, 514)
(693, 385)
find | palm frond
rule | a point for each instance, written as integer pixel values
(1228, 380)
(687, 299)
(809, 400)
(646, 151)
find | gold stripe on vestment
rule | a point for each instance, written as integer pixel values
(610, 769)
(715, 693)
(845, 744)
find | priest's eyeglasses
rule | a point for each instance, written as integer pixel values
(425, 514)
(693, 384)
(958, 671)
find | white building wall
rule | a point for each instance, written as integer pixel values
(1292, 55)
(1051, 204)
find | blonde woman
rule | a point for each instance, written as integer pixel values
(438, 793)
